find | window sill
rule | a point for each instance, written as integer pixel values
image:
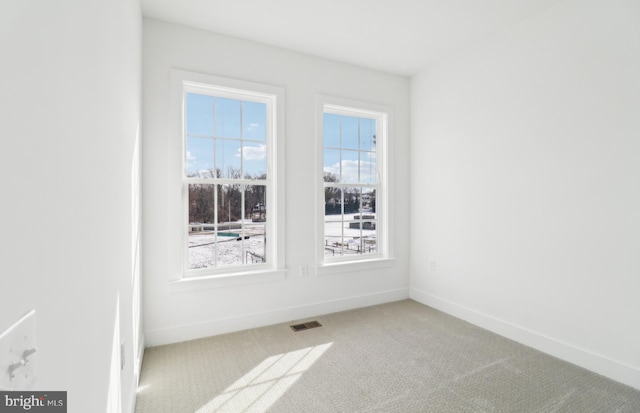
(335, 268)
(225, 280)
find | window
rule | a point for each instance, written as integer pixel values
(354, 176)
(232, 219)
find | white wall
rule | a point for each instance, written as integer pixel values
(526, 184)
(176, 316)
(69, 108)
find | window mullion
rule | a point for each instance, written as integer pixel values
(215, 139)
(242, 224)
(216, 188)
(242, 174)
(342, 220)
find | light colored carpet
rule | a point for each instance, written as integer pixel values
(397, 357)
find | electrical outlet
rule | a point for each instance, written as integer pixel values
(18, 353)
(432, 264)
(304, 270)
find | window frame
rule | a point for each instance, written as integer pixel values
(184, 278)
(383, 257)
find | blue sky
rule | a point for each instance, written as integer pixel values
(226, 120)
(349, 149)
(227, 133)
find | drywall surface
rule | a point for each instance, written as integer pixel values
(526, 184)
(69, 108)
(174, 316)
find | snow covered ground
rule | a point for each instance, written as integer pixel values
(339, 238)
(204, 252)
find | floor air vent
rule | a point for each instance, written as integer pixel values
(305, 326)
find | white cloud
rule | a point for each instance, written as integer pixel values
(350, 170)
(190, 158)
(252, 126)
(253, 153)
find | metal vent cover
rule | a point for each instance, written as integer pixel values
(305, 326)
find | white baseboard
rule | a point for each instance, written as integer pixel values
(612, 369)
(243, 322)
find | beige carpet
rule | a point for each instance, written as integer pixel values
(397, 357)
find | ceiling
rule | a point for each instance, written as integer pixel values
(397, 36)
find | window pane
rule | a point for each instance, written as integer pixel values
(199, 114)
(201, 228)
(254, 158)
(360, 235)
(255, 238)
(368, 167)
(333, 226)
(333, 242)
(351, 201)
(254, 120)
(255, 203)
(349, 132)
(228, 158)
(199, 157)
(369, 201)
(367, 134)
(369, 238)
(229, 249)
(230, 234)
(201, 204)
(349, 168)
(331, 130)
(332, 201)
(255, 206)
(361, 232)
(228, 118)
(331, 165)
(202, 250)
(365, 223)
(366, 242)
(230, 207)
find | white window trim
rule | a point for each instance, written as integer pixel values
(182, 81)
(384, 257)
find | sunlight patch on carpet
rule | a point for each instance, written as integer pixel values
(260, 388)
